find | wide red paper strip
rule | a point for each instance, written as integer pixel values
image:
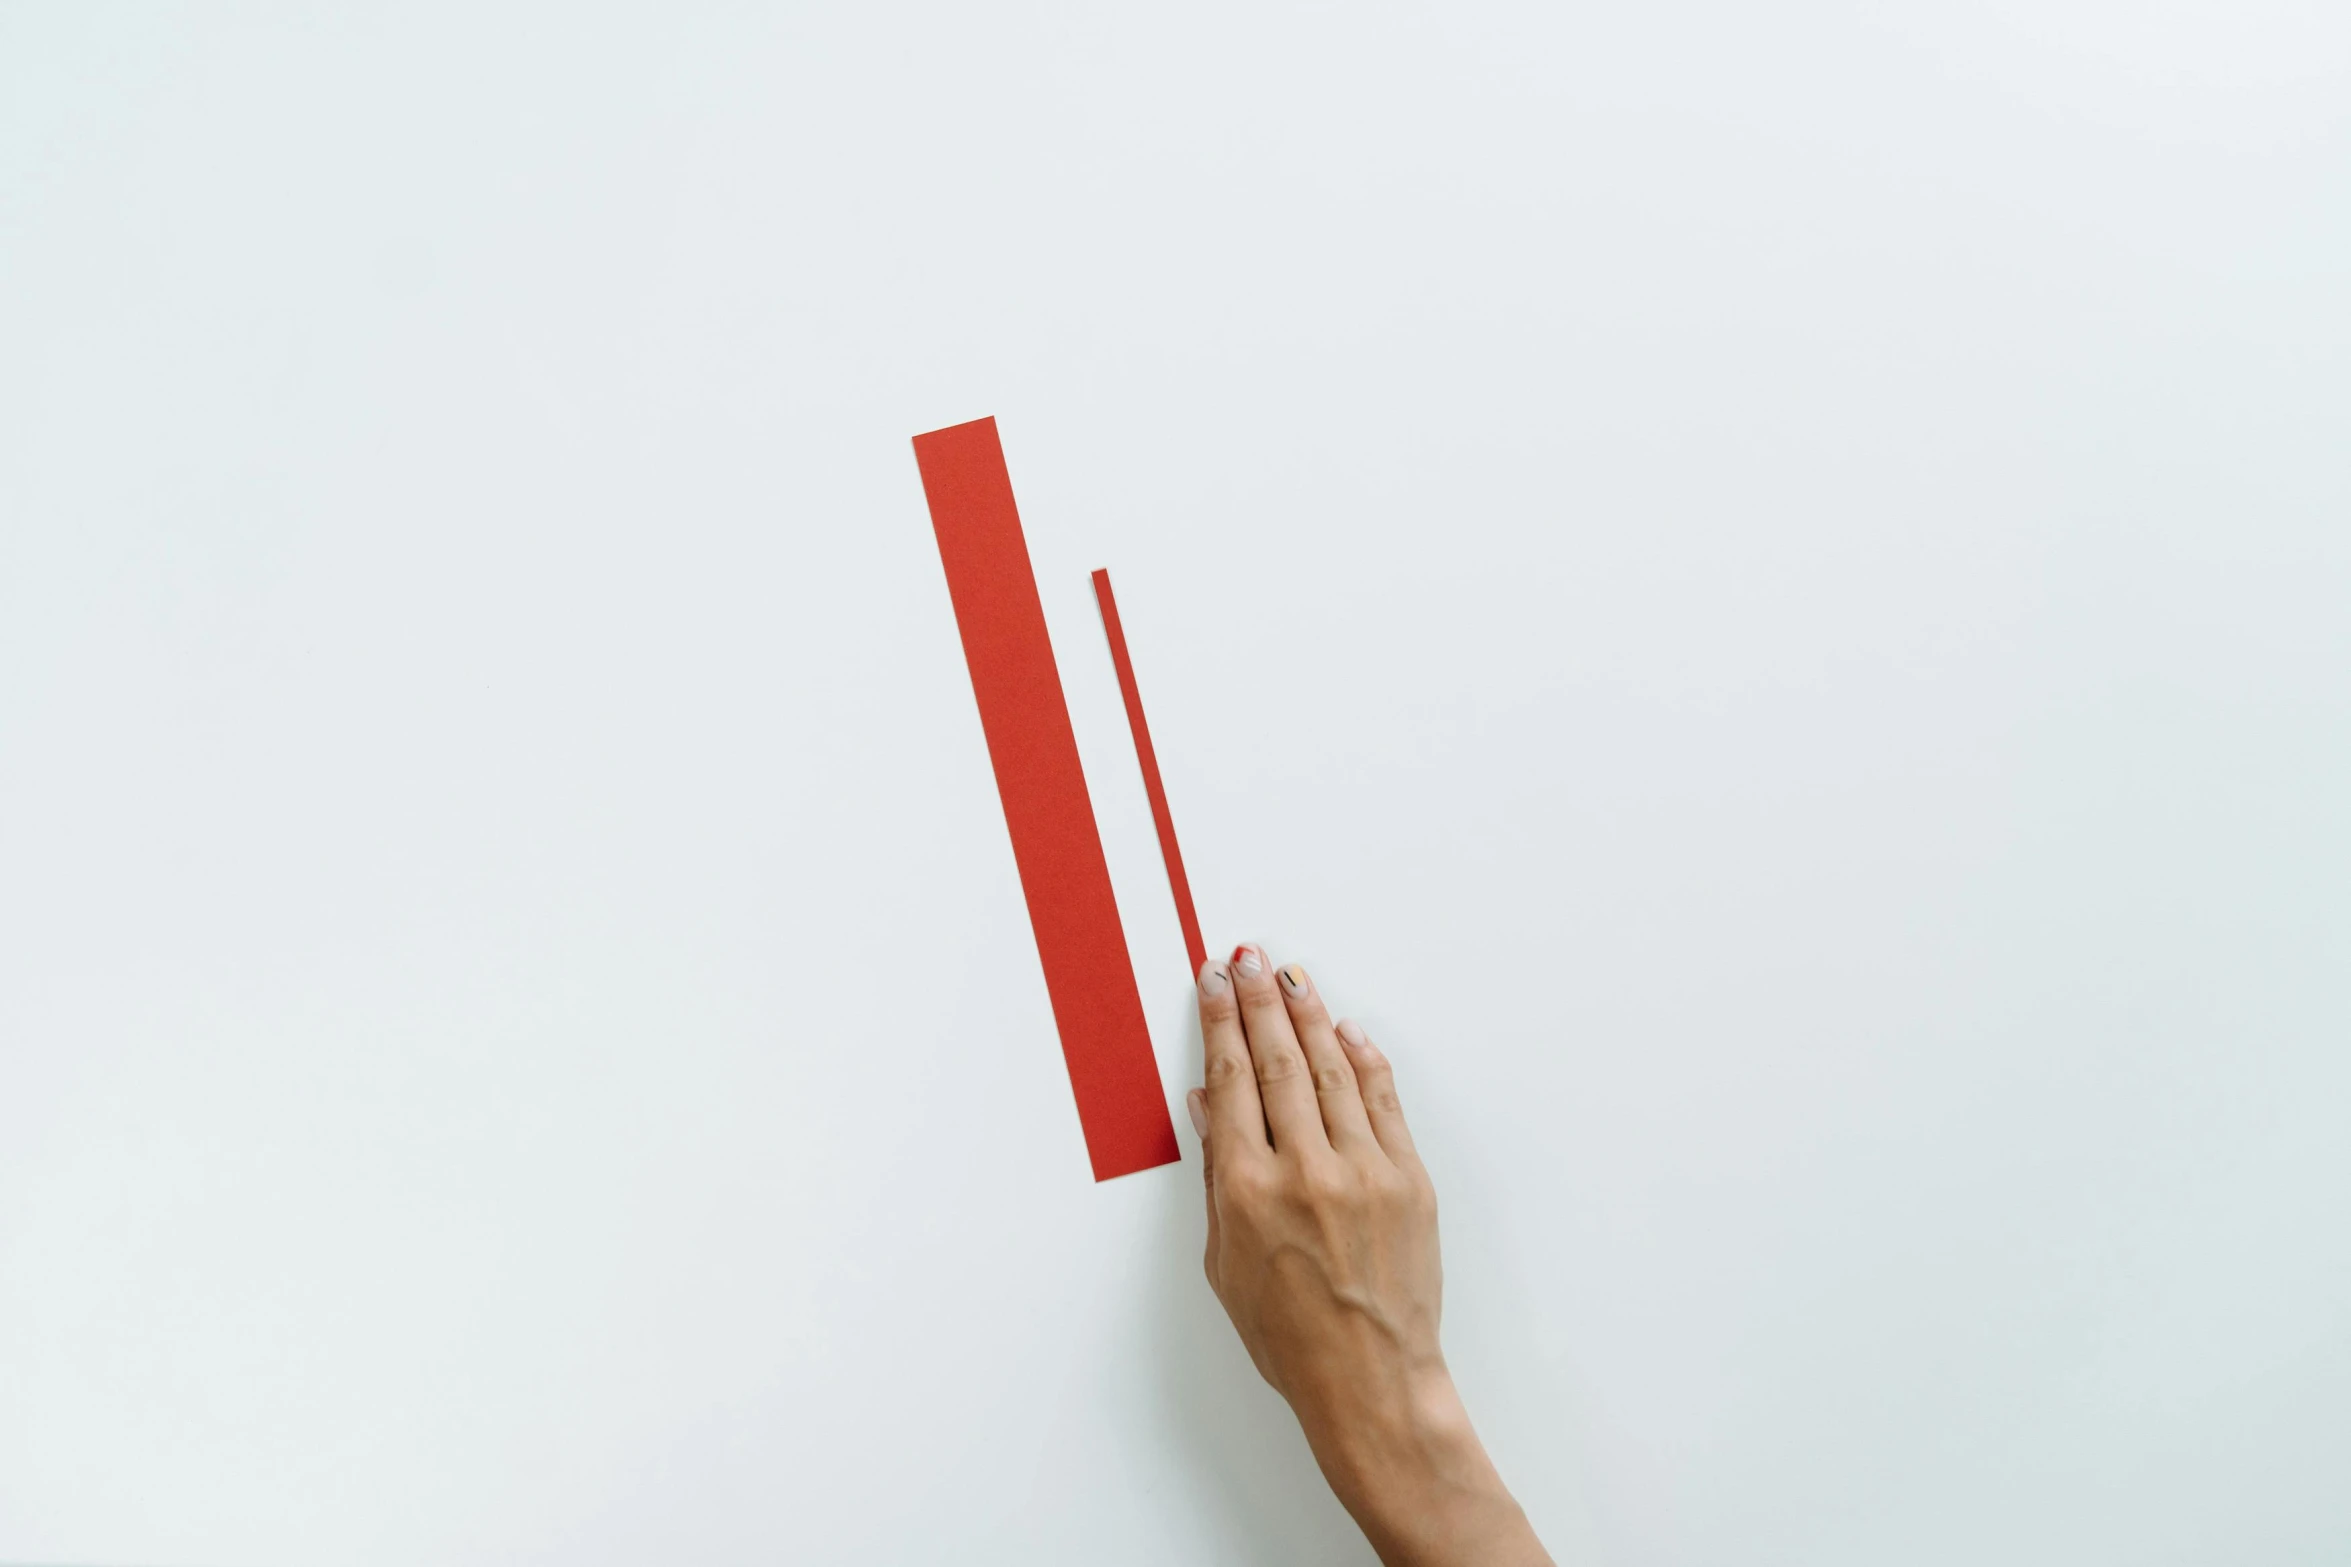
(1177, 882)
(1063, 874)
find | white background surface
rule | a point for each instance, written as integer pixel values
(1761, 590)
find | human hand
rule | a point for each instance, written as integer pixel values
(1322, 1247)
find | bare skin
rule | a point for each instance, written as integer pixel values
(1322, 1246)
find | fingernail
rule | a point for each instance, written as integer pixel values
(1199, 1112)
(1248, 962)
(1352, 1032)
(1294, 980)
(1212, 978)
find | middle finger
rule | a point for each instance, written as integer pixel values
(1283, 1081)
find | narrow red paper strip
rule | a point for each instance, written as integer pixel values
(1177, 882)
(1063, 875)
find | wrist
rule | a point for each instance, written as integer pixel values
(1408, 1465)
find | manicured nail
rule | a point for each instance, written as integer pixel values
(1294, 980)
(1212, 978)
(1192, 1102)
(1352, 1032)
(1248, 962)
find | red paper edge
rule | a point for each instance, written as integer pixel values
(1105, 1040)
(1177, 882)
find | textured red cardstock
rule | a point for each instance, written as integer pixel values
(1063, 875)
(1177, 882)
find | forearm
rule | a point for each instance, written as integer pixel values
(1408, 1466)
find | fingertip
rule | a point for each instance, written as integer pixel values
(1352, 1035)
(1196, 1102)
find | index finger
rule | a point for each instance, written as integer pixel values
(1236, 1116)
